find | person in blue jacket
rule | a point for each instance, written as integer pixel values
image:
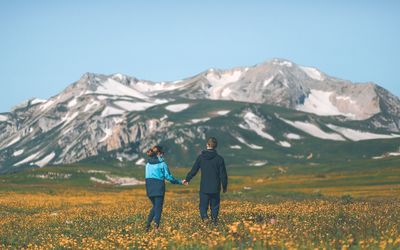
(156, 172)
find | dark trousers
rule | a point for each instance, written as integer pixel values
(209, 201)
(155, 212)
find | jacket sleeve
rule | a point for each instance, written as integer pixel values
(169, 176)
(146, 171)
(223, 175)
(194, 170)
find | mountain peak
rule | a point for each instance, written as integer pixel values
(281, 62)
(89, 75)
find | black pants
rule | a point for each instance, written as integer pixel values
(206, 201)
(156, 210)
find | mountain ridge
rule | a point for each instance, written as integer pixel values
(120, 115)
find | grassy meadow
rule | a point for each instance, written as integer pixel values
(350, 206)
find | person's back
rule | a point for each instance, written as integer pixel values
(156, 172)
(212, 171)
(213, 176)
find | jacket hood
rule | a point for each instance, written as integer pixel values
(154, 160)
(208, 154)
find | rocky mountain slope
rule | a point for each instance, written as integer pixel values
(276, 111)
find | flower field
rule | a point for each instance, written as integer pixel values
(82, 219)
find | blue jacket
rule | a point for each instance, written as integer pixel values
(156, 172)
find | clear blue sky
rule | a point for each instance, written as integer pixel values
(47, 45)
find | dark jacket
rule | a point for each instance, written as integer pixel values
(213, 172)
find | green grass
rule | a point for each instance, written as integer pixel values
(297, 180)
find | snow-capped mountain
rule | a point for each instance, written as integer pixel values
(118, 115)
(285, 84)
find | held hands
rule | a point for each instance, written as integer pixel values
(185, 182)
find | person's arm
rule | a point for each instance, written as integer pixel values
(224, 176)
(169, 176)
(194, 170)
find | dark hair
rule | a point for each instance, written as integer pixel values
(150, 153)
(154, 151)
(212, 142)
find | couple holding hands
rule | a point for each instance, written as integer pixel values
(213, 175)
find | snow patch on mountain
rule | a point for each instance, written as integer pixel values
(134, 106)
(177, 107)
(43, 162)
(252, 146)
(112, 87)
(284, 144)
(91, 105)
(46, 104)
(102, 97)
(258, 163)
(72, 103)
(282, 63)
(314, 130)
(28, 159)
(293, 136)
(223, 112)
(144, 86)
(3, 118)
(389, 154)
(346, 98)
(112, 111)
(37, 101)
(141, 162)
(313, 73)
(357, 135)
(268, 81)
(15, 140)
(226, 92)
(161, 101)
(318, 102)
(119, 76)
(235, 147)
(18, 152)
(194, 121)
(255, 123)
(69, 117)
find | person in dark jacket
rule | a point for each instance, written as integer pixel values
(156, 172)
(213, 176)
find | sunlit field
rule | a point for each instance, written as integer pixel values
(260, 211)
